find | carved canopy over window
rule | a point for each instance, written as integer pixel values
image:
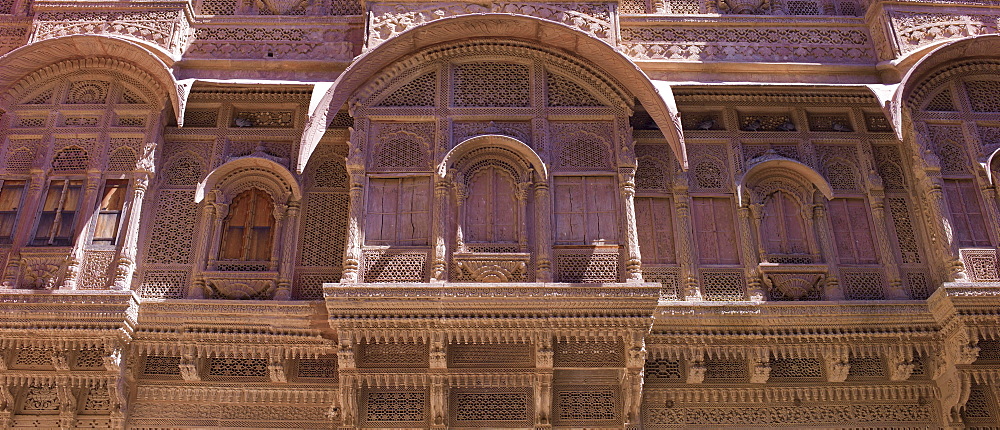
(781, 192)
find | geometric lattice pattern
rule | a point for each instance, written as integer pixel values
(156, 365)
(564, 92)
(400, 150)
(866, 367)
(863, 285)
(237, 367)
(662, 369)
(324, 225)
(492, 408)
(490, 355)
(388, 266)
(981, 264)
(487, 84)
(588, 267)
(584, 152)
(309, 286)
(418, 92)
(382, 408)
(588, 354)
(173, 227)
(164, 284)
(984, 96)
(720, 285)
(796, 368)
(586, 405)
(726, 370)
(392, 355)
(320, 368)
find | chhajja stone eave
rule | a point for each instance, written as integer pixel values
(492, 300)
(876, 314)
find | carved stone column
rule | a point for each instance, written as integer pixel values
(633, 258)
(348, 390)
(831, 290)
(220, 212)
(543, 231)
(748, 225)
(543, 381)
(201, 243)
(289, 236)
(130, 241)
(352, 247)
(461, 193)
(23, 229)
(439, 263)
(684, 237)
(895, 289)
(439, 398)
(75, 259)
(632, 383)
(927, 170)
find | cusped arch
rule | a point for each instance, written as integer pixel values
(240, 174)
(558, 38)
(780, 166)
(474, 145)
(30, 66)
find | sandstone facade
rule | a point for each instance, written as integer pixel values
(387, 214)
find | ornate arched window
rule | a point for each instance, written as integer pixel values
(248, 229)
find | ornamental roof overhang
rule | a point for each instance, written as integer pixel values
(656, 98)
(970, 48)
(156, 63)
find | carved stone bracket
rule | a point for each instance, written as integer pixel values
(242, 286)
(501, 267)
(793, 281)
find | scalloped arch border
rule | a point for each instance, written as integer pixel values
(572, 43)
(38, 62)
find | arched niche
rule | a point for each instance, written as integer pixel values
(780, 193)
(494, 177)
(274, 199)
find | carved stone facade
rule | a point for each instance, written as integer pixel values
(384, 214)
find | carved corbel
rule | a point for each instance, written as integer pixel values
(836, 364)
(276, 370)
(696, 372)
(67, 406)
(6, 406)
(60, 360)
(544, 354)
(345, 354)
(189, 369)
(437, 401)
(760, 367)
(901, 363)
(438, 355)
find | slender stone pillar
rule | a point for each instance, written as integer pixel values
(543, 231)
(130, 241)
(352, 247)
(633, 257)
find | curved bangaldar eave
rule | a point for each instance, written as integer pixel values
(981, 47)
(22, 62)
(493, 140)
(497, 26)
